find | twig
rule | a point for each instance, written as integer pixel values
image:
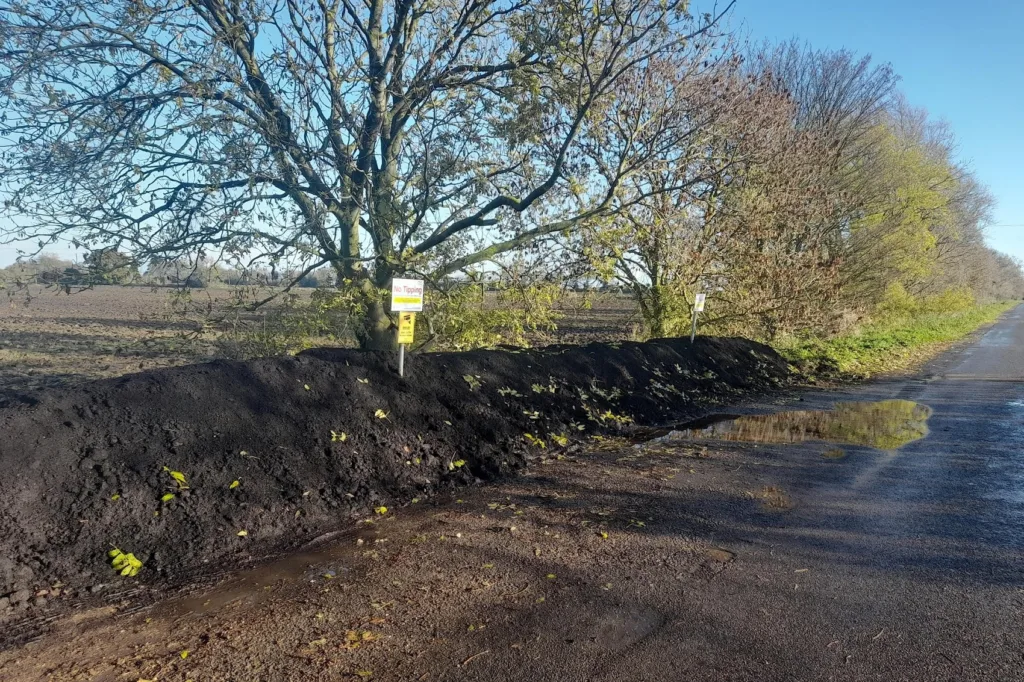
(485, 651)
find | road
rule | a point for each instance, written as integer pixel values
(676, 560)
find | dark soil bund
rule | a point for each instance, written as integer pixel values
(89, 468)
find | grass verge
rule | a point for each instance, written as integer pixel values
(888, 346)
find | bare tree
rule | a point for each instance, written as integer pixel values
(378, 137)
(735, 211)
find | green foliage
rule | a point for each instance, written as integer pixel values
(125, 564)
(292, 323)
(178, 477)
(889, 344)
(465, 316)
(534, 440)
(908, 191)
(898, 304)
(109, 266)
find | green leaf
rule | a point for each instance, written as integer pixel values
(243, 533)
(234, 484)
(380, 414)
(167, 497)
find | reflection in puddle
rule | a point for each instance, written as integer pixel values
(885, 425)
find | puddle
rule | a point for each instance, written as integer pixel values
(884, 425)
(326, 561)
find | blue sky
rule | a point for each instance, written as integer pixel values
(963, 62)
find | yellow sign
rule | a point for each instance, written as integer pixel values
(406, 327)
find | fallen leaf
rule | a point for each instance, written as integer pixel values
(380, 414)
(167, 497)
(234, 484)
(243, 533)
(381, 510)
(305, 386)
(184, 654)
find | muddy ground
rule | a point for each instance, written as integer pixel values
(483, 583)
(198, 470)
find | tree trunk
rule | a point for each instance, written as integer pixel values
(375, 331)
(657, 313)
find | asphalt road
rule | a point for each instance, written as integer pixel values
(674, 561)
(899, 565)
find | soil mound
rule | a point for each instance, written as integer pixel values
(201, 468)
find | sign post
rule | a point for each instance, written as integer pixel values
(698, 307)
(406, 300)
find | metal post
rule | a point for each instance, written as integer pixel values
(693, 327)
(401, 359)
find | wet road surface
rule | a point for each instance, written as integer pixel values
(872, 533)
(900, 564)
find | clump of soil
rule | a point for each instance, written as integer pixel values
(272, 453)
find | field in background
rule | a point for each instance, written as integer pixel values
(53, 339)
